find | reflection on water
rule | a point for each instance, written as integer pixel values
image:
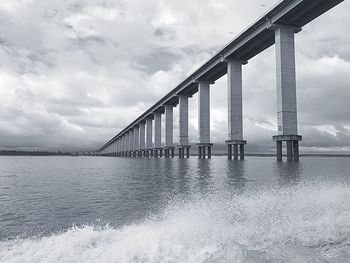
(204, 175)
(184, 176)
(235, 175)
(288, 173)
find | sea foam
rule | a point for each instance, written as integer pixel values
(302, 223)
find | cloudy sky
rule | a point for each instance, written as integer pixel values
(75, 72)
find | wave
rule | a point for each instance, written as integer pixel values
(303, 223)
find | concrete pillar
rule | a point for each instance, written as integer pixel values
(157, 130)
(136, 140)
(183, 120)
(234, 91)
(290, 151)
(204, 117)
(127, 145)
(286, 91)
(169, 126)
(241, 151)
(204, 112)
(169, 130)
(183, 125)
(279, 150)
(116, 147)
(119, 146)
(296, 150)
(142, 135)
(149, 135)
(286, 81)
(235, 111)
(229, 151)
(131, 142)
(123, 146)
(235, 151)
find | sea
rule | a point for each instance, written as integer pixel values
(107, 209)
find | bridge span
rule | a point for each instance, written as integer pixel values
(277, 27)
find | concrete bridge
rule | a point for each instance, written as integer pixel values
(278, 26)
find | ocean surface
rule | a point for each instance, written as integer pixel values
(105, 209)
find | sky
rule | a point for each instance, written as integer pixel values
(73, 73)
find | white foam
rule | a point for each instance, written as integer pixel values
(305, 223)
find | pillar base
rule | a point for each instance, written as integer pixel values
(235, 145)
(184, 151)
(148, 152)
(169, 152)
(202, 153)
(157, 152)
(292, 142)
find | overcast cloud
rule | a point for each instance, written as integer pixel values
(75, 72)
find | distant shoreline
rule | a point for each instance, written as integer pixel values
(42, 153)
(34, 153)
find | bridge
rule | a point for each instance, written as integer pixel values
(277, 27)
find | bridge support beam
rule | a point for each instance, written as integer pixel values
(149, 137)
(169, 132)
(136, 140)
(184, 147)
(286, 93)
(157, 135)
(116, 147)
(204, 120)
(124, 145)
(131, 143)
(142, 138)
(235, 111)
(121, 146)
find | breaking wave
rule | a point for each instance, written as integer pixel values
(303, 223)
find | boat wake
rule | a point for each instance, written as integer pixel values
(303, 223)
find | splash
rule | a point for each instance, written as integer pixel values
(304, 223)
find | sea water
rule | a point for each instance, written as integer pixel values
(94, 209)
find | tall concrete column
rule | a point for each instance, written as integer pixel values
(183, 127)
(169, 131)
(136, 140)
(131, 142)
(127, 145)
(286, 90)
(122, 149)
(235, 109)
(158, 134)
(204, 119)
(119, 146)
(149, 135)
(142, 138)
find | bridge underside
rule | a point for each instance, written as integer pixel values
(277, 27)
